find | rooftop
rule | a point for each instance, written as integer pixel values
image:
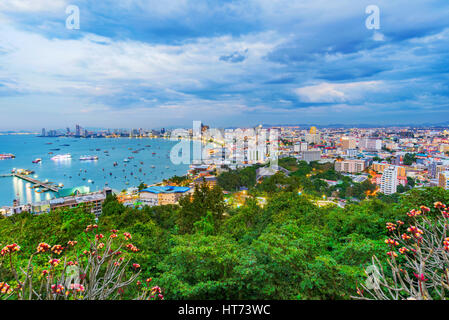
(166, 189)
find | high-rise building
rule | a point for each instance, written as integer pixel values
(350, 166)
(370, 144)
(348, 143)
(351, 152)
(313, 138)
(443, 180)
(389, 180)
(432, 169)
(300, 146)
(78, 130)
(44, 133)
(311, 155)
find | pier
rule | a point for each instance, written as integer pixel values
(38, 184)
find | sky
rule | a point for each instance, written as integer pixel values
(152, 63)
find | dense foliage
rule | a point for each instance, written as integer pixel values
(291, 248)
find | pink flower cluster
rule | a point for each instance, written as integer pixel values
(43, 247)
(57, 289)
(5, 288)
(57, 249)
(54, 262)
(91, 227)
(77, 287)
(10, 248)
(132, 247)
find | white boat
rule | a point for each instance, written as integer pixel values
(83, 158)
(7, 156)
(125, 160)
(59, 157)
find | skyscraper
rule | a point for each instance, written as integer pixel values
(389, 181)
(443, 180)
(370, 144)
(348, 143)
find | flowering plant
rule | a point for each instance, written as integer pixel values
(103, 271)
(418, 258)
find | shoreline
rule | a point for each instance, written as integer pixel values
(28, 196)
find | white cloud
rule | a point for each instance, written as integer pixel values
(378, 36)
(337, 92)
(31, 5)
(94, 64)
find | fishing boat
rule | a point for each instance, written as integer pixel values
(87, 158)
(62, 157)
(7, 156)
(37, 160)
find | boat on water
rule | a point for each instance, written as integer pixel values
(60, 157)
(38, 160)
(125, 160)
(7, 156)
(85, 158)
(23, 172)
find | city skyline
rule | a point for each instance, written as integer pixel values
(229, 64)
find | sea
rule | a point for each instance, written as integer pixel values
(151, 164)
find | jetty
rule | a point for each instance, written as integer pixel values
(37, 184)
